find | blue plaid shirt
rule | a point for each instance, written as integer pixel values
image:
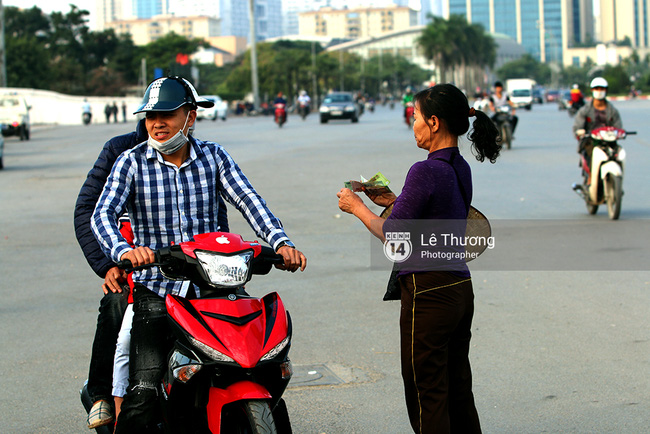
(169, 204)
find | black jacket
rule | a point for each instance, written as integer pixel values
(92, 189)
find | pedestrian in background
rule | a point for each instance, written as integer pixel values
(108, 110)
(114, 110)
(437, 305)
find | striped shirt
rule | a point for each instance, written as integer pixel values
(169, 204)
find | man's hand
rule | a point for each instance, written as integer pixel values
(580, 133)
(293, 259)
(113, 280)
(139, 256)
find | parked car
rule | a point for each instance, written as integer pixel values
(2, 151)
(339, 105)
(14, 116)
(219, 110)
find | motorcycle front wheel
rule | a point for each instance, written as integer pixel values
(506, 135)
(614, 195)
(249, 417)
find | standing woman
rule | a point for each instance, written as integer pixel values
(436, 306)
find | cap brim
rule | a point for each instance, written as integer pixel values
(200, 101)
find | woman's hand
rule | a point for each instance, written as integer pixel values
(348, 200)
(384, 199)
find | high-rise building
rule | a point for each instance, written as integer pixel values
(150, 8)
(544, 27)
(233, 14)
(356, 23)
(292, 8)
(621, 19)
(112, 10)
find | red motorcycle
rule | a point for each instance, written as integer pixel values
(409, 114)
(229, 365)
(280, 114)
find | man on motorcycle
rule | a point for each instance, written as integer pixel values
(577, 99)
(113, 304)
(600, 113)
(281, 101)
(170, 186)
(304, 101)
(86, 112)
(500, 99)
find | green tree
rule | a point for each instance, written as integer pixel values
(458, 48)
(617, 79)
(525, 67)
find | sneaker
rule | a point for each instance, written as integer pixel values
(100, 414)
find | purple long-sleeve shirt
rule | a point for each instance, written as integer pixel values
(432, 192)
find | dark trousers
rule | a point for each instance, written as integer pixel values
(435, 323)
(109, 321)
(151, 341)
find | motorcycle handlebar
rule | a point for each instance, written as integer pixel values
(270, 256)
(267, 255)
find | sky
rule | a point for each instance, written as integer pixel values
(56, 6)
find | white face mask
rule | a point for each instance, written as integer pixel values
(599, 94)
(172, 145)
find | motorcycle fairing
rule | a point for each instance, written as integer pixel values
(601, 166)
(610, 168)
(244, 329)
(222, 242)
(218, 398)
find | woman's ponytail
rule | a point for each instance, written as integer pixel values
(485, 138)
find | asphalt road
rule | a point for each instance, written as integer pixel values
(561, 339)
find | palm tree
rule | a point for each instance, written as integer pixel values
(453, 44)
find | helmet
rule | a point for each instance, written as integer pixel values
(598, 82)
(303, 92)
(575, 86)
(169, 93)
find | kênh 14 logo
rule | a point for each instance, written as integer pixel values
(398, 247)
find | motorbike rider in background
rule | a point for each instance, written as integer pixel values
(86, 112)
(304, 101)
(280, 100)
(577, 99)
(408, 98)
(499, 99)
(600, 113)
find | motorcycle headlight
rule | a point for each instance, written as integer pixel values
(324, 109)
(275, 350)
(231, 271)
(211, 352)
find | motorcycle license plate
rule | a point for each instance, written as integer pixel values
(337, 113)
